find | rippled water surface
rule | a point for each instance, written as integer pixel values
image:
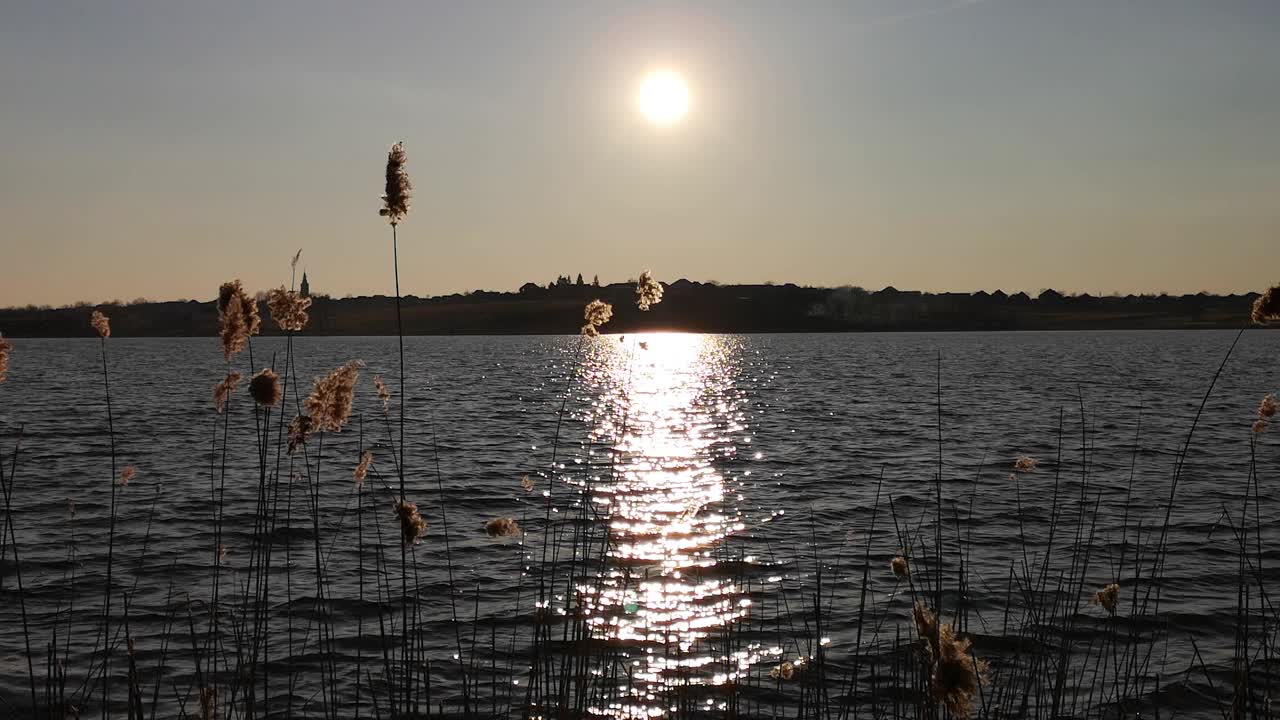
(678, 486)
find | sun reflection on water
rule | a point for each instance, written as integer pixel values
(663, 598)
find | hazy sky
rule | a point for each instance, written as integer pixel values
(158, 148)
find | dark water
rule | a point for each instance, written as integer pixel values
(766, 449)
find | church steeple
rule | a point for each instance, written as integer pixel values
(305, 289)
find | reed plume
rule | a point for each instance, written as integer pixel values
(128, 474)
(299, 430)
(648, 291)
(502, 527)
(362, 469)
(232, 333)
(526, 483)
(899, 566)
(288, 309)
(383, 393)
(1108, 597)
(329, 403)
(101, 324)
(293, 264)
(784, 671)
(71, 506)
(223, 389)
(957, 674)
(1267, 307)
(412, 526)
(926, 625)
(395, 201)
(954, 674)
(1266, 409)
(235, 289)
(264, 388)
(5, 347)
(1025, 463)
(597, 313)
(238, 318)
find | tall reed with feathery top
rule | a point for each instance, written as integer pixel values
(102, 325)
(395, 207)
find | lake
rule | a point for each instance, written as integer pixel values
(707, 526)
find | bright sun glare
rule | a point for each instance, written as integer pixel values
(664, 97)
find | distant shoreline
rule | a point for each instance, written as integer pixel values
(687, 307)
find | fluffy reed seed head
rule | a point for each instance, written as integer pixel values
(957, 674)
(412, 526)
(954, 673)
(299, 430)
(238, 318)
(399, 189)
(222, 554)
(223, 390)
(926, 625)
(784, 671)
(101, 324)
(129, 473)
(1266, 409)
(71, 506)
(526, 483)
(502, 527)
(362, 469)
(293, 264)
(288, 309)
(384, 394)
(1025, 463)
(1267, 406)
(248, 305)
(648, 291)
(596, 313)
(1267, 307)
(264, 388)
(1108, 598)
(329, 403)
(899, 566)
(232, 333)
(5, 348)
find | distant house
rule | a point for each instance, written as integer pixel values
(1049, 296)
(891, 292)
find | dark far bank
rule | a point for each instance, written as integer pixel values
(689, 306)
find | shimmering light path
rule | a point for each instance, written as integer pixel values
(668, 508)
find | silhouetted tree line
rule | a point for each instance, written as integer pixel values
(693, 306)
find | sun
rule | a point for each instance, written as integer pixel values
(664, 97)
